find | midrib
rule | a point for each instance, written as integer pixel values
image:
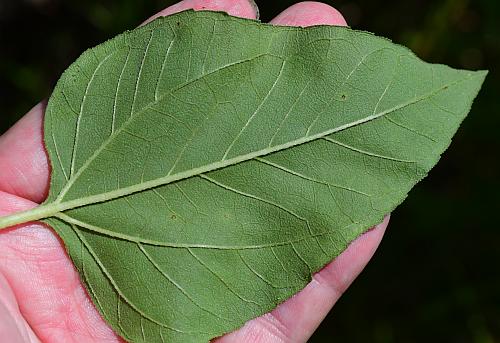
(52, 209)
(238, 159)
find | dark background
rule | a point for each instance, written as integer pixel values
(436, 276)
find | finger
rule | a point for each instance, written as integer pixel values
(12, 324)
(238, 8)
(25, 167)
(296, 319)
(309, 13)
(302, 315)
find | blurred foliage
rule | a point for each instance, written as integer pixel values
(436, 276)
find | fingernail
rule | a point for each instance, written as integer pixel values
(255, 7)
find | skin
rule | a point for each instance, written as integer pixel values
(41, 297)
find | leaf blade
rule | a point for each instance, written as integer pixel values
(326, 158)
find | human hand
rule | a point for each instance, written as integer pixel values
(41, 296)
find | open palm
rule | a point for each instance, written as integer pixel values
(41, 296)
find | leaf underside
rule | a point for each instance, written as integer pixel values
(204, 166)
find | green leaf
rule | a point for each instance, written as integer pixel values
(204, 166)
